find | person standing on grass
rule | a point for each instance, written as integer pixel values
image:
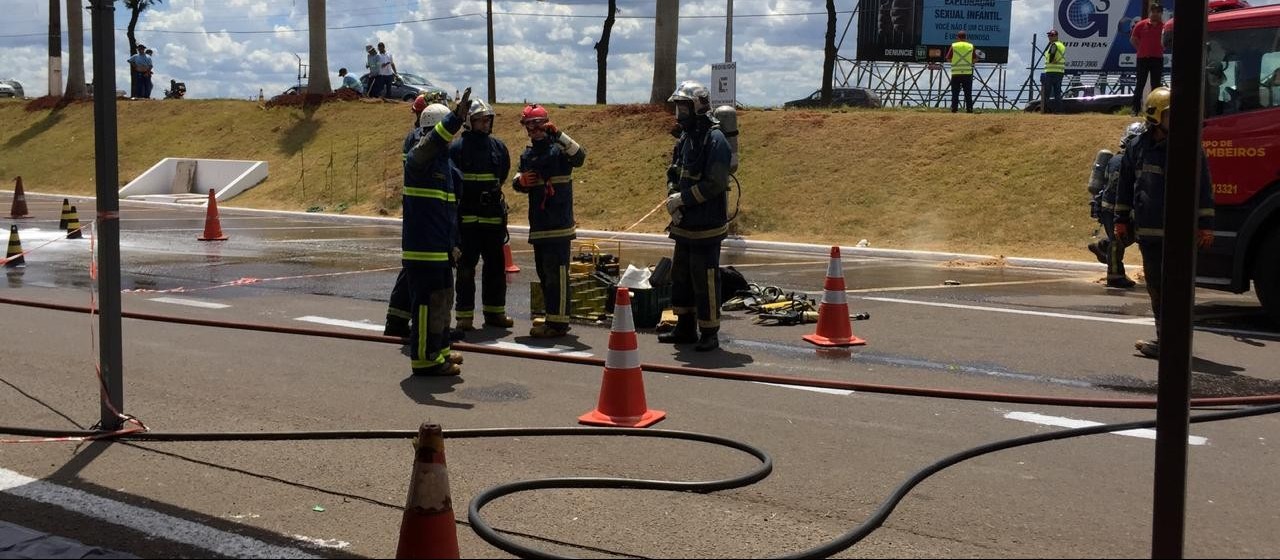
(1145, 37)
(961, 56)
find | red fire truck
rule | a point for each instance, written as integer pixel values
(1242, 140)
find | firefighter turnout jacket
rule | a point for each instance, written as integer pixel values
(551, 200)
(430, 204)
(699, 172)
(1143, 184)
(484, 163)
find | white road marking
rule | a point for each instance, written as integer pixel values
(396, 238)
(190, 302)
(265, 228)
(754, 265)
(364, 325)
(557, 350)
(323, 543)
(152, 523)
(1132, 321)
(1073, 423)
(976, 285)
(829, 391)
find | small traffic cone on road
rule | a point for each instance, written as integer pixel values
(13, 257)
(622, 401)
(212, 225)
(19, 208)
(66, 215)
(427, 529)
(506, 256)
(73, 225)
(833, 313)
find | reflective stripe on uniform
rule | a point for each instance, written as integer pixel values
(700, 234)
(1150, 232)
(430, 193)
(714, 319)
(494, 309)
(553, 233)
(1152, 169)
(560, 179)
(1206, 212)
(479, 177)
(421, 359)
(425, 256)
(398, 313)
(464, 314)
(697, 194)
(444, 132)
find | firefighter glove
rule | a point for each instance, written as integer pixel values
(674, 202)
(1205, 238)
(464, 105)
(1121, 230)
(528, 179)
(552, 131)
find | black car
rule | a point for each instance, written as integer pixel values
(1083, 99)
(840, 97)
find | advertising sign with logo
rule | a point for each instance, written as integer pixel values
(724, 78)
(1096, 33)
(889, 30)
(985, 23)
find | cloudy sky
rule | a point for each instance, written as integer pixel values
(233, 48)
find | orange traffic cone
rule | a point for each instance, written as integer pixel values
(510, 264)
(66, 215)
(19, 208)
(427, 529)
(622, 400)
(833, 314)
(212, 225)
(13, 257)
(73, 225)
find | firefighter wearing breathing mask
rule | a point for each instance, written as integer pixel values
(429, 237)
(482, 213)
(545, 174)
(1142, 189)
(697, 199)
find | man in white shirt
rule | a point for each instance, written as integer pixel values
(386, 70)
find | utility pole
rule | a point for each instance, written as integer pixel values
(107, 179)
(55, 48)
(488, 12)
(728, 33)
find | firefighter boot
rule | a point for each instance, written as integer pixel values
(499, 320)
(454, 358)
(710, 340)
(396, 327)
(465, 324)
(549, 330)
(1148, 348)
(686, 331)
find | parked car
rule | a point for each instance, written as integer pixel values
(1083, 99)
(840, 97)
(11, 88)
(407, 87)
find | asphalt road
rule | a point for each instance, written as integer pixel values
(838, 454)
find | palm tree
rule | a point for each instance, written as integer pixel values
(602, 54)
(75, 45)
(666, 33)
(318, 83)
(136, 7)
(829, 53)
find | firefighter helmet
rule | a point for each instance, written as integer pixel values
(1132, 131)
(534, 114)
(433, 114)
(1157, 107)
(419, 104)
(692, 92)
(479, 109)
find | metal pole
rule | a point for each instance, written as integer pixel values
(55, 48)
(106, 166)
(728, 33)
(488, 10)
(1182, 184)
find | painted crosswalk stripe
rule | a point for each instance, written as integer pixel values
(149, 522)
(556, 350)
(190, 302)
(826, 390)
(1073, 423)
(364, 325)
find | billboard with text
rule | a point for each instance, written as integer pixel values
(921, 30)
(1096, 33)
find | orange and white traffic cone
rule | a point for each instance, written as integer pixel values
(427, 529)
(834, 328)
(212, 225)
(506, 256)
(13, 257)
(19, 207)
(622, 401)
(73, 225)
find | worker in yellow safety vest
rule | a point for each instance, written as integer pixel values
(1055, 66)
(961, 56)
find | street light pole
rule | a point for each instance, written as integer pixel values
(488, 9)
(728, 33)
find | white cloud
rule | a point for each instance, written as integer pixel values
(541, 52)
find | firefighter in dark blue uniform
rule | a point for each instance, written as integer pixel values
(429, 237)
(485, 163)
(398, 314)
(1109, 250)
(1142, 188)
(697, 189)
(546, 175)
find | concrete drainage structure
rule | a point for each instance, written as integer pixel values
(188, 180)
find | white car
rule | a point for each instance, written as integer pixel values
(7, 90)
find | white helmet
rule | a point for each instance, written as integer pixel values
(434, 113)
(695, 93)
